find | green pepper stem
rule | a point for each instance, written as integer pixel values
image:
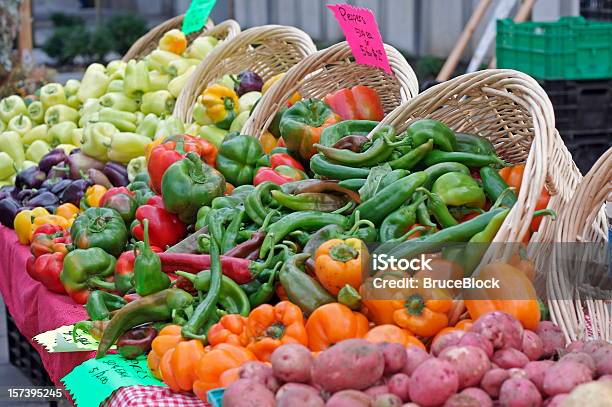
(343, 253)
(290, 244)
(97, 282)
(546, 212)
(501, 197)
(188, 276)
(346, 207)
(267, 220)
(415, 304)
(410, 233)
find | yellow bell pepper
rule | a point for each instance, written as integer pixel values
(67, 211)
(49, 220)
(93, 194)
(24, 223)
(221, 105)
(173, 41)
(268, 84)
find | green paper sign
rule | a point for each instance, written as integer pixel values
(196, 15)
(91, 382)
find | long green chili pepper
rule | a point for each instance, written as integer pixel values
(413, 157)
(422, 213)
(231, 233)
(353, 183)
(256, 200)
(438, 209)
(309, 201)
(494, 185)
(331, 134)
(266, 291)
(437, 170)
(392, 176)
(216, 219)
(322, 167)
(471, 143)
(469, 159)
(399, 221)
(306, 220)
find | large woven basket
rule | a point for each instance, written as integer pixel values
(329, 70)
(148, 42)
(582, 219)
(267, 50)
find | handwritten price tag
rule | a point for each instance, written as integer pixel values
(91, 382)
(361, 32)
(61, 340)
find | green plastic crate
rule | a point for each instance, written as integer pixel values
(571, 48)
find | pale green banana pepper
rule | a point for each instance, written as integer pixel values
(180, 66)
(96, 138)
(158, 81)
(201, 47)
(7, 166)
(116, 85)
(21, 124)
(10, 143)
(77, 136)
(116, 69)
(160, 60)
(136, 166)
(136, 79)
(36, 112)
(61, 113)
(119, 101)
(87, 111)
(123, 147)
(61, 133)
(40, 132)
(52, 94)
(239, 122)
(160, 102)
(170, 126)
(148, 126)
(10, 107)
(37, 150)
(177, 84)
(94, 83)
(123, 121)
(212, 134)
(199, 114)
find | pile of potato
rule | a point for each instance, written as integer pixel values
(495, 362)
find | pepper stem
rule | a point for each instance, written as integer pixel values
(546, 212)
(410, 233)
(343, 253)
(275, 331)
(188, 276)
(415, 304)
(98, 283)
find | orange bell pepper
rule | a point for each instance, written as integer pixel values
(422, 316)
(392, 334)
(268, 141)
(230, 329)
(332, 323)
(178, 365)
(67, 211)
(212, 367)
(93, 194)
(270, 326)
(337, 263)
(166, 339)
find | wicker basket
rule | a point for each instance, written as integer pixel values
(267, 50)
(582, 219)
(331, 69)
(148, 42)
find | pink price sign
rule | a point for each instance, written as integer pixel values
(361, 32)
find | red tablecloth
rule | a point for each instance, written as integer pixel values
(34, 308)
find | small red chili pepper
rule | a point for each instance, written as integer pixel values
(278, 159)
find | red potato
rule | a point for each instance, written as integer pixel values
(470, 362)
(579, 357)
(298, 394)
(517, 373)
(349, 398)
(492, 381)
(474, 339)
(410, 405)
(414, 357)
(433, 382)
(606, 377)
(536, 371)
(292, 363)
(248, 393)
(519, 393)
(551, 336)
(444, 341)
(532, 345)
(562, 377)
(461, 400)
(603, 360)
(483, 398)
(509, 358)
(395, 357)
(592, 346)
(593, 394)
(555, 401)
(387, 400)
(502, 329)
(399, 384)
(377, 390)
(575, 346)
(260, 372)
(351, 364)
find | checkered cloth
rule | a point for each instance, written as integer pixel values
(146, 396)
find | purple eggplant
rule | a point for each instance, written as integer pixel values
(44, 199)
(25, 194)
(247, 81)
(9, 208)
(59, 187)
(7, 189)
(98, 177)
(116, 174)
(31, 177)
(75, 191)
(80, 163)
(58, 171)
(51, 159)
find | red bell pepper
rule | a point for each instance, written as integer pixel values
(165, 228)
(112, 192)
(357, 103)
(45, 243)
(279, 175)
(278, 159)
(174, 149)
(46, 269)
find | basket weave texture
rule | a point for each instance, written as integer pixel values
(268, 50)
(329, 70)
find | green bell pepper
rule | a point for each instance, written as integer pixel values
(87, 269)
(160, 102)
(148, 126)
(11, 106)
(189, 184)
(36, 112)
(10, 143)
(61, 113)
(238, 157)
(142, 191)
(52, 94)
(427, 129)
(96, 139)
(37, 150)
(119, 101)
(94, 83)
(212, 134)
(20, 123)
(136, 79)
(61, 133)
(457, 189)
(100, 227)
(7, 166)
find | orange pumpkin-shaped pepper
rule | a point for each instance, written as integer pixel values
(178, 365)
(332, 323)
(337, 263)
(424, 317)
(230, 329)
(272, 326)
(166, 339)
(392, 334)
(212, 366)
